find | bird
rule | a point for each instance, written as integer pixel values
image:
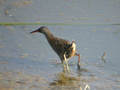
(64, 48)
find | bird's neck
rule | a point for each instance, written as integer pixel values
(49, 36)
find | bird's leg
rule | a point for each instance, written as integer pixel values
(66, 63)
(64, 66)
(78, 65)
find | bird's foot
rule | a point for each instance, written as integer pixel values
(65, 62)
(66, 68)
(78, 66)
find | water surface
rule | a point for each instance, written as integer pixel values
(27, 62)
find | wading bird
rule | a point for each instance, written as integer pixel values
(64, 49)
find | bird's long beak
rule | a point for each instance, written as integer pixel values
(34, 31)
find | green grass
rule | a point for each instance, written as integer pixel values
(38, 23)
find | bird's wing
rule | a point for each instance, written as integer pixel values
(60, 45)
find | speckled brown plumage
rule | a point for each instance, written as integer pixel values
(60, 46)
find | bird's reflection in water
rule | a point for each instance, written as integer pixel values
(69, 81)
(64, 79)
(103, 57)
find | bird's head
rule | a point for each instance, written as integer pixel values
(42, 29)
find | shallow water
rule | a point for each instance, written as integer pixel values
(27, 62)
